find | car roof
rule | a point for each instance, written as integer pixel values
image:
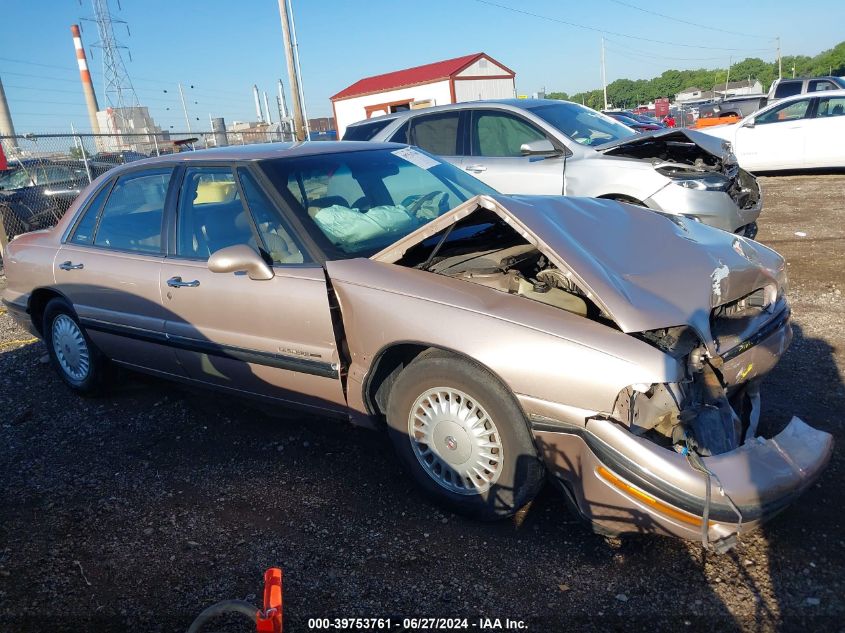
(518, 104)
(262, 151)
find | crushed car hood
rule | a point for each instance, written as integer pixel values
(707, 142)
(646, 270)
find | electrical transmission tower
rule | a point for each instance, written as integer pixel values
(117, 86)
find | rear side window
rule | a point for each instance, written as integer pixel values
(211, 215)
(131, 218)
(501, 134)
(831, 106)
(817, 85)
(84, 231)
(365, 131)
(436, 133)
(787, 89)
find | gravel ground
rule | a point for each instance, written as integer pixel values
(138, 510)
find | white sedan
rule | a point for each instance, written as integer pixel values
(802, 132)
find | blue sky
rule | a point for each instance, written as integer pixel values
(222, 47)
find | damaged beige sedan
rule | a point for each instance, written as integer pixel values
(496, 339)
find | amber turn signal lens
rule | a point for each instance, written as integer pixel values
(646, 498)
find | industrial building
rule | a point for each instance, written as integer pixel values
(467, 78)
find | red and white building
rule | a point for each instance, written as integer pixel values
(467, 78)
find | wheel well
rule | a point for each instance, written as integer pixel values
(390, 362)
(385, 369)
(620, 197)
(37, 302)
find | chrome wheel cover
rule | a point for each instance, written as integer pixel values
(455, 441)
(70, 348)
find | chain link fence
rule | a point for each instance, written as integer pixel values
(47, 171)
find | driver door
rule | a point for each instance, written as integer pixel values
(273, 338)
(777, 138)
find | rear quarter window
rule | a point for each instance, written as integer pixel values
(365, 131)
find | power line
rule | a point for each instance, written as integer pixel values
(628, 50)
(41, 89)
(701, 26)
(8, 72)
(598, 30)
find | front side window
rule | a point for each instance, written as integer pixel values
(787, 89)
(831, 106)
(210, 214)
(583, 125)
(435, 133)
(501, 134)
(785, 112)
(356, 203)
(277, 238)
(51, 174)
(132, 216)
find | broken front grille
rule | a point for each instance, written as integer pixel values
(744, 189)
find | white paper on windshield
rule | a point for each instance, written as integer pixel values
(413, 156)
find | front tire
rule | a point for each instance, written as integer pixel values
(462, 437)
(78, 362)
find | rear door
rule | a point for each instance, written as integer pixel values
(495, 140)
(777, 139)
(825, 133)
(108, 267)
(273, 338)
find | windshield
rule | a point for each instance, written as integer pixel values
(583, 125)
(15, 179)
(356, 203)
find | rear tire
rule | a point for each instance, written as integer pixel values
(76, 359)
(462, 437)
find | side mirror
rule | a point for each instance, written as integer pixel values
(749, 123)
(542, 147)
(238, 259)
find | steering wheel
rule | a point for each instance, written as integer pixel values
(417, 204)
(362, 204)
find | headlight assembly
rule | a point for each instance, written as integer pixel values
(701, 182)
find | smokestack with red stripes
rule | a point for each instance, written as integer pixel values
(85, 76)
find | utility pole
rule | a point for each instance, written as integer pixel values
(728, 78)
(185, 108)
(603, 74)
(298, 122)
(298, 70)
(780, 66)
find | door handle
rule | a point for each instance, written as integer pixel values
(69, 265)
(176, 282)
(476, 169)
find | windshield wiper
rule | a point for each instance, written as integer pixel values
(427, 263)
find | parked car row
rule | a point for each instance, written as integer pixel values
(35, 193)
(495, 338)
(550, 147)
(805, 131)
(745, 105)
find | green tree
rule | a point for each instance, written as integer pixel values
(628, 93)
(77, 152)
